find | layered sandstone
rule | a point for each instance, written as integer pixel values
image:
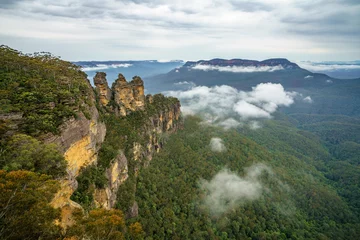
(102, 88)
(129, 96)
(79, 140)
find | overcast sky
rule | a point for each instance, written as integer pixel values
(184, 29)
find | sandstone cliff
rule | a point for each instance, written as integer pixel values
(151, 117)
(142, 121)
(79, 140)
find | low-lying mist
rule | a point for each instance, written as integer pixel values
(227, 190)
(228, 107)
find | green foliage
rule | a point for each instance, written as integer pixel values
(43, 88)
(340, 134)
(25, 212)
(126, 194)
(299, 203)
(99, 224)
(23, 152)
(88, 179)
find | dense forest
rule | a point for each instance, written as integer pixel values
(302, 197)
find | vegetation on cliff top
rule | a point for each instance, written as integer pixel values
(42, 88)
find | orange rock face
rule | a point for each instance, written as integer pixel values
(102, 88)
(129, 96)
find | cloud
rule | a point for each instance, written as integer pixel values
(308, 77)
(169, 61)
(185, 83)
(217, 145)
(227, 107)
(329, 81)
(237, 69)
(106, 66)
(185, 29)
(254, 125)
(308, 99)
(229, 123)
(329, 66)
(227, 190)
(248, 110)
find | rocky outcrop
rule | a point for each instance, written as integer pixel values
(116, 174)
(133, 211)
(102, 88)
(129, 96)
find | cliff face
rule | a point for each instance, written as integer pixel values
(79, 140)
(116, 174)
(156, 119)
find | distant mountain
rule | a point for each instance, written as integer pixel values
(284, 63)
(329, 95)
(238, 73)
(129, 69)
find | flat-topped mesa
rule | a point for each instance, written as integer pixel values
(129, 96)
(102, 88)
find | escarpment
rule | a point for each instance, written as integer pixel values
(91, 142)
(99, 166)
(88, 144)
(135, 127)
(79, 140)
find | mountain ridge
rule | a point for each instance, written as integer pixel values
(244, 62)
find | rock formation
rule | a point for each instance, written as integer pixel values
(128, 96)
(102, 88)
(116, 174)
(80, 140)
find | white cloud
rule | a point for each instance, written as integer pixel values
(254, 125)
(237, 69)
(185, 83)
(185, 29)
(106, 66)
(308, 99)
(227, 107)
(328, 67)
(226, 190)
(217, 145)
(269, 95)
(248, 110)
(308, 76)
(329, 81)
(229, 123)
